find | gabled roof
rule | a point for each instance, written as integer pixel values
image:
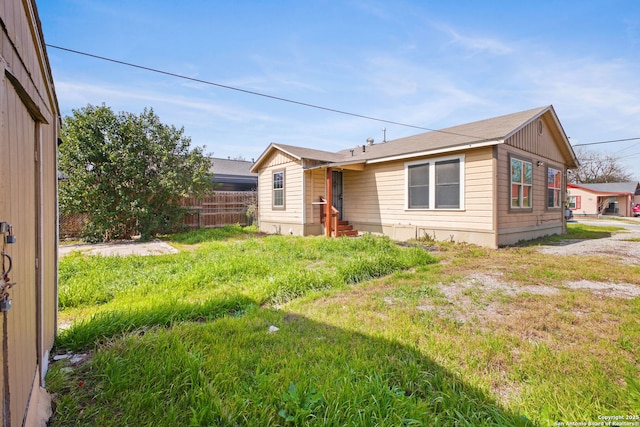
(298, 153)
(486, 132)
(631, 187)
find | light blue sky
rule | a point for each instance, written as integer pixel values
(432, 64)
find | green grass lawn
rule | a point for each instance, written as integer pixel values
(242, 329)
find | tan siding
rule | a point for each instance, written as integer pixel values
(542, 145)
(49, 232)
(377, 196)
(17, 208)
(28, 120)
(539, 220)
(315, 181)
(293, 212)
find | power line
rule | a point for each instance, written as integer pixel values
(250, 92)
(628, 156)
(606, 142)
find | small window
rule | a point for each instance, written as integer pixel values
(521, 183)
(278, 189)
(554, 188)
(574, 202)
(448, 184)
(419, 186)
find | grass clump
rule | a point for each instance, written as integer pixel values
(216, 278)
(235, 372)
(288, 331)
(202, 235)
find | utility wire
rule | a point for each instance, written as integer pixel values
(606, 142)
(250, 92)
(304, 104)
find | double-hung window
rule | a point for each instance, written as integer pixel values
(435, 184)
(574, 202)
(448, 184)
(278, 190)
(521, 184)
(418, 186)
(554, 188)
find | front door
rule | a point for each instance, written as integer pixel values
(337, 192)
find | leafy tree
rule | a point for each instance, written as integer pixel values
(127, 172)
(597, 167)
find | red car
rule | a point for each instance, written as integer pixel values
(636, 210)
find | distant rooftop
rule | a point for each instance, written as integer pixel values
(231, 167)
(632, 187)
(233, 175)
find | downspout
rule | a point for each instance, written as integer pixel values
(496, 204)
(328, 220)
(304, 197)
(565, 201)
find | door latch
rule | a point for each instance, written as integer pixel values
(6, 228)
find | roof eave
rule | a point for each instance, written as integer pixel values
(600, 192)
(271, 147)
(443, 150)
(357, 165)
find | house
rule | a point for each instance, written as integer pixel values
(233, 175)
(29, 123)
(492, 182)
(613, 198)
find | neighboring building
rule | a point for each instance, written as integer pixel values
(29, 122)
(233, 175)
(614, 198)
(493, 182)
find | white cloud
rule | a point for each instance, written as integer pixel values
(476, 43)
(601, 97)
(79, 94)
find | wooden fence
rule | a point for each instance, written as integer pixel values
(220, 209)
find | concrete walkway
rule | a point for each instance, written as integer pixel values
(156, 247)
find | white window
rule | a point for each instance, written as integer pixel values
(419, 186)
(435, 183)
(554, 188)
(574, 202)
(521, 184)
(278, 189)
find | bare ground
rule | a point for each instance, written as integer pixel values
(123, 248)
(480, 295)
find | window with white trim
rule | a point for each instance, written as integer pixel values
(521, 184)
(419, 186)
(574, 202)
(435, 183)
(448, 184)
(554, 188)
(278, 189)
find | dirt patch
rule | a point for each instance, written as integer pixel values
(156, 247)
(480, 296)
(622, 246)
(617, 290)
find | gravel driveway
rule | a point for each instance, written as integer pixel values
(480, 285)
(621, 245)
